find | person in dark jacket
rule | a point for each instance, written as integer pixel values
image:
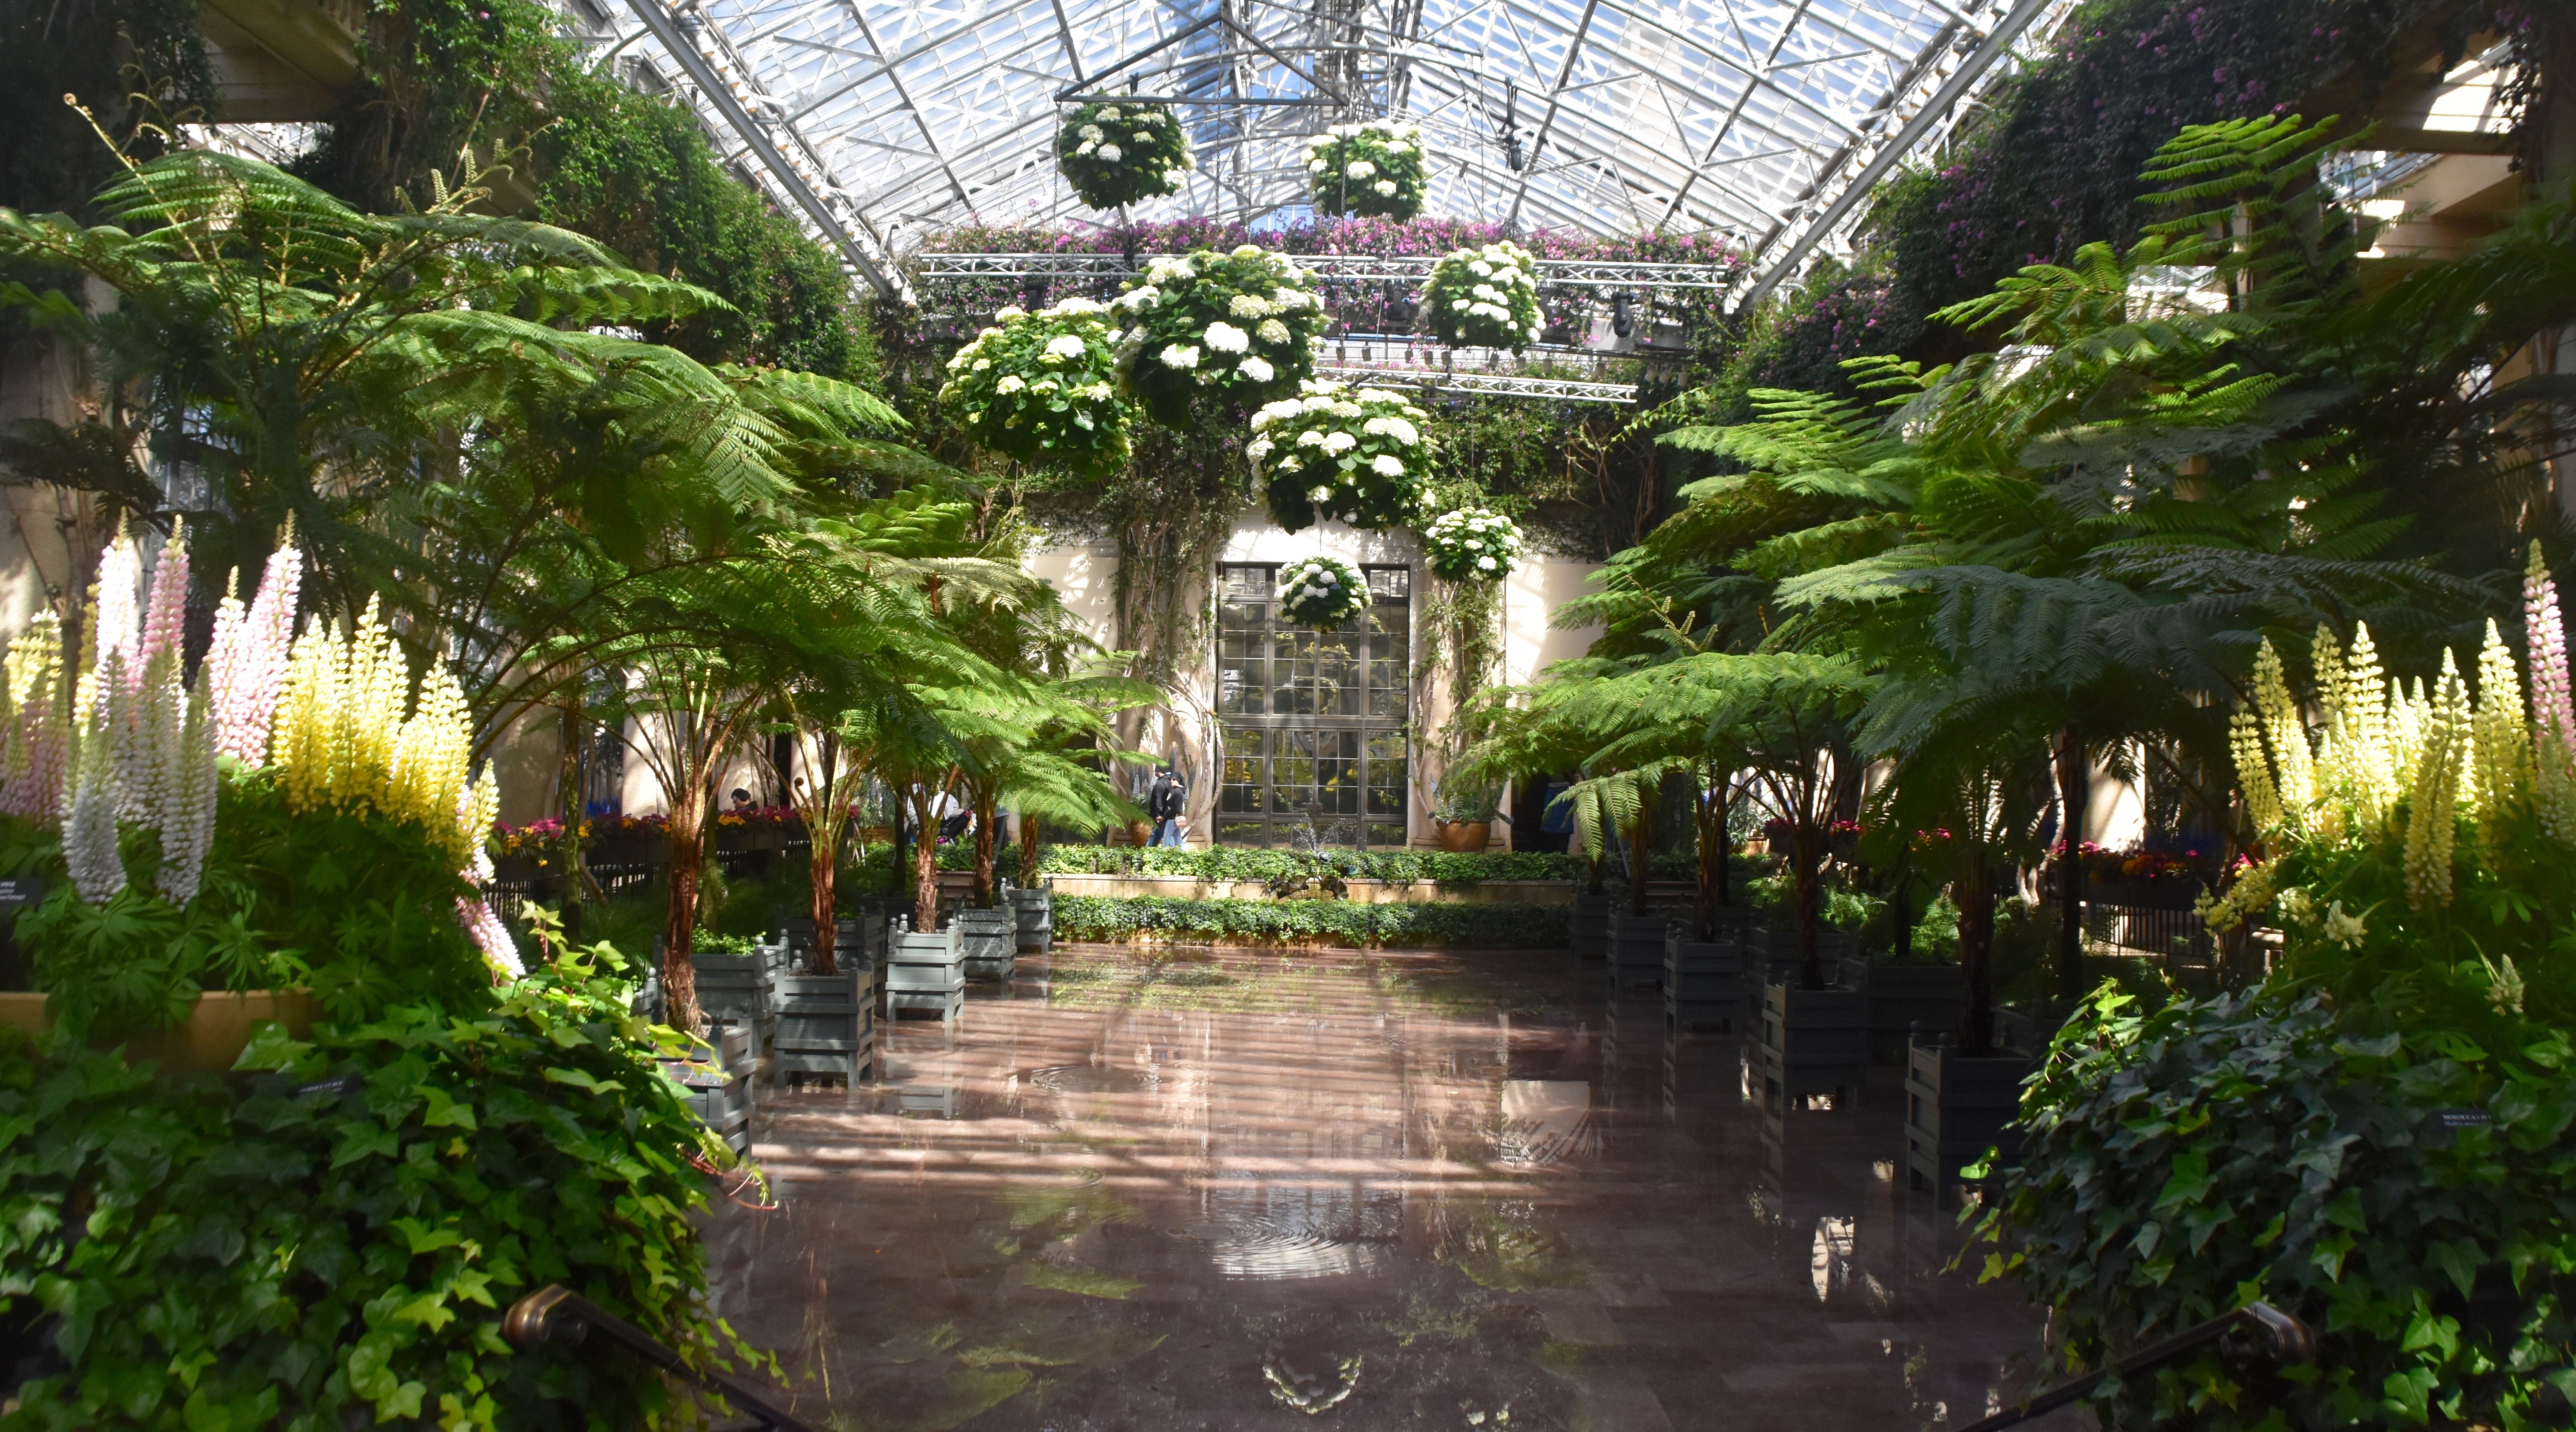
(1168, 802)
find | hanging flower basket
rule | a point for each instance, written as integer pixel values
(1484, 298)
(1321, 593)
(1119, 153)
(1358, 454)
(1372, 169)
(1472, 544)
(1042, 387)
(1233, 328)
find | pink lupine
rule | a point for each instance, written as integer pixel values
(2552, 711)
(167, 610)
(244, 674)
(118, 615)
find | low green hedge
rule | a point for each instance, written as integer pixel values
(1411, 923)
(1436, 867)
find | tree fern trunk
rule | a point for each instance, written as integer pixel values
(2074, 794)
(985, 801)
(1976, 897)
(1028, 851)
(680, 910)
(1806, 853)
(1710, 829)
(1640, 857)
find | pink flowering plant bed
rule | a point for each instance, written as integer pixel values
(1204, 327)
(1355, 454)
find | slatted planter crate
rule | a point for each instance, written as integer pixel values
(734, 989)
(1637, 953)
(1908, 1001)
(1813, 1041)
(827, 1027)
(925, 972)
(852, 947)
(1587, 927)
(1035, 925)
(1774, 959)
(719, 1088)
(989, 940)
(1699, 981)
(1956, 1108)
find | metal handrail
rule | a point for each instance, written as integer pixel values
(2272, 1333)
(555, 1313)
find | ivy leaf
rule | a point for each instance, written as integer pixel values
(425, 1239)
(581, 1079)
(2459, 1257)
(445, 1111)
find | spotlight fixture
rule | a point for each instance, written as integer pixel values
(1513, 159)
(1623, 321)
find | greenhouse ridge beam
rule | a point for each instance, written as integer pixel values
(1359, 268)
(1996, 44)
(716, 93)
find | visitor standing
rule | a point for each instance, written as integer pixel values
(1167, 801)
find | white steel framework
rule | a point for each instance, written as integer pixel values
(1760, 120)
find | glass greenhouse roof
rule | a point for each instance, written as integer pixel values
(1750, 118)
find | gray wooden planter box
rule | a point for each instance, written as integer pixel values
(1587, 927)
(1814, 1041)
(851, 946)
(1956, 1108)
(720, 1090)
(1699, 982)
(926, 972)
(989, 939)
(1035, 929)
(1637, 952)
(1771, 957)
(734, 989)
(827, 1027)
(1908, 1002)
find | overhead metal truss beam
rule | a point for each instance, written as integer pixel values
(797, 178)
(1359, 268)
(1497, 385)
(1765, 120)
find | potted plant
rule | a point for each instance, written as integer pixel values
(1464, 812)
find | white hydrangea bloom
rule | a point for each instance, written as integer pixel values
(1485, 563)
(1480, 268)
(1319, 495)
(1272, 331)
(1346, 410)
(1090, 132)
(1140, 299)
(1247, 251)
(1405, 432)
(1316, 166)
(1009, 383)
(1005, 314)
(1387, 465)
(1065, 345)
(1259, 448)
(1310, 438)
(1111, 154)
(1226, 338)
(1258, 369)
(1111, 114)
(1385, 187)
(1339, 442)
(1073, 307)
(1144, 138)
(983, 363)
(1249, 305)
(1176, 356)
(1172, 177)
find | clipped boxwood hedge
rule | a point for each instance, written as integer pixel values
(1252, 863)
(1412, 923)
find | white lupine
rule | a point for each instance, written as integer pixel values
(89, 826)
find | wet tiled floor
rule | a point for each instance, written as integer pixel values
(1234, 1189)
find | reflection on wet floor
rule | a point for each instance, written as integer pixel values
(1237, 1189)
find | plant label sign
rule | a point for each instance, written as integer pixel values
(2443, 1126)
(19, 894)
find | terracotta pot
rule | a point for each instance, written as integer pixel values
(213, 1036)
(1465, 837)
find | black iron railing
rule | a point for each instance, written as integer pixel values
(555, 1313)
(2255, 1331)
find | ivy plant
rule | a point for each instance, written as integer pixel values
(2410, 1194)
(335, 1243)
